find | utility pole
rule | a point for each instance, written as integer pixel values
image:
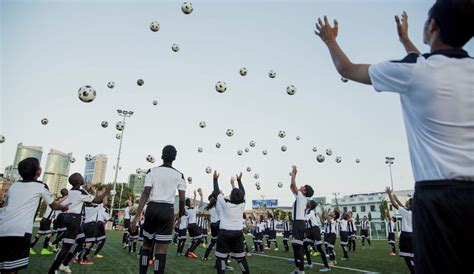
(390, 161)
(335, 198)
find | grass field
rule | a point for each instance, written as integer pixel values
(117, 260)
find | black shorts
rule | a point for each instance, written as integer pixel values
(391, 238)
(286, 235)
(258, 237)
(214, 230)
(272, 234)
(158, 224)
(14, 252)
(364, 234)
(343, 237)
(182, 233)
(58, 223)
(204, 232)
(330, 239)
(133, 235)
(73, 233)
(126, 223)
(299, 228)
(140, 233)
(406, 246)
(90, 231)
(230, 242)
(194, 231)
(313, 235)
(100, 231)
(352, 234)
(45, 227)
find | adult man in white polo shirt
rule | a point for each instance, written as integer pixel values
(160, 188)
(437, 96)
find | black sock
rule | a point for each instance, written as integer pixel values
(209, 248)
(99, 247)
(344, 250)
(86, 252)
(298, 256)
(181, 245)
(160, 263)
(244, 266)
(285, 243)
(363, 239)
(393, 248)
(33, 243)
(220, 265)
(59, 237)
(134, 247)
(306, 251)
(410, 264)
(332, 255)
(323, 255)
(46, 242)
(353, 245)
(59, 258)
(130, 246)
(143, 263)
(125, 238)
(368, 240)
(72, 252)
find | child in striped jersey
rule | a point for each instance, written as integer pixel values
(313, 236)
(351, 231)
(391, 221)
(364, 231)
(271, 230)
(344, 235)
(330, 235)
(286, 232)
(133, 235)
(259, 230)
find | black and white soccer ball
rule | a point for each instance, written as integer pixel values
(252, 143)
(221, 87)
(175, 47)
(272, 74)
(44, 121)
(243, 71)
(298, 138)
(139, 171)
(357, 161)
(240, 152)
(155, 26)
(281, 134)
(86, 94)
(264, 152)
(2, 139)
(257, 184)
(88, 157)
(230, 132)
(111, 84)
(291, 90)
(119, 125)
(104, 124)
(258, 187)
(218, 145)
(249, 169)
(187, 8)
(320, 158)
(118, 136)
(344, 80)
(256, 176)
(155, 102)
(72, 160)
(328, 152)
(150, 158)
(113, 192)
(283, 148)
(247, 150)
(200, 149)
(208, 170)
(338, 159)
(202, 124)
(139, 176)
(280, 184)
(315, 149)
(190, 180)
(140, 82)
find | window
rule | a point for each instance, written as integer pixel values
(361, 199)
(371, 198)
(352, 200)
(372, 208)
(344, 209)
(362, 208)
(354, 209)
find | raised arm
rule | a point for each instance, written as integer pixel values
(402, 30)
(347, 69)
(293, 186)
(216, 183)
(232, 182)
(390, 196)
(397, 201)
(239, 182)
(98, 199)
(201, 199)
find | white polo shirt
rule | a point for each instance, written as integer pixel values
(183, 224)
(231, 217)
(437, 96)
(126, 213)
(299, 207)
(76, 198)
(164, 180)
(406, 219)
(191, 213)
(214, 215)
(17, 217)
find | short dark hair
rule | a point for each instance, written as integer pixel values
(308, 191)
(188, 202)
(312, 204)
(455, 19)
(169, 154)
(64, 192)
(236, 196)
(28, 168)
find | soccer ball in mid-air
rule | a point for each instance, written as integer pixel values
(44, 121)
(155, 26)
(139, 176)
(104, 124)
(72, 160)
(283, 148)
(150, 158)
(86, 94)
(199, 149)
(298, 138)
(2, 139)
(257, 184)
(243, 71)
(320, 158)
(139, 171)
(208, 170)
(272, 74)
(118, 136)
(258, 188)
(88, 157)
(119, 125)
(282, 134)
(280, 184)
(240, 152)
(264, 152)
(249, 169)
(175, 47)
(357, 161)
(190, 180)
(221, 87)
(218, 145)
(344, 80)
(328, 152)
(140, 82)
(202, 124)
(110, 84)
(155, 102)
(252, 143)
(256, 176)
(230, 132)
(247, 149)
(291, 90)
(315, 149)
(187, 8)
(338, 159)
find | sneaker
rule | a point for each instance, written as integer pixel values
(205, 259)
(125, 246)
(315, 254)
(151, 262)
(332, 263)
(392, 254)
(327, 255)
(54, 248)
(324, 269)
(308, 266)
(230, 268)
(98, 256)
(203, 245)
(87, 262)
(276, 249)
(344, 259)
(44, 251)
(248, 254)
(65, 269)
(32, 251)
(77, 261)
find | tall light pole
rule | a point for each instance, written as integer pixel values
(335, 198)
(125, 114)
(389, 161)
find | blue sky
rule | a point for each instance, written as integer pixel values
(51, 48)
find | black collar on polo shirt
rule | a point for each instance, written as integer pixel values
(30, 181)
(451, 53)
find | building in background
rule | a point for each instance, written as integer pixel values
(95, 170)
(56, 171)
(4, 186)
(23, 152)
(137, 183)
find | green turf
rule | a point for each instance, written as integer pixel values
(117, 260)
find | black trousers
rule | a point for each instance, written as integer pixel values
(448, 207)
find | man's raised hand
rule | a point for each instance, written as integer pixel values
(402, 27)
(325, 31)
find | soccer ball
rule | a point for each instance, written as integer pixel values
(199, 190)
(249, 169)
(175, 47)
(344, 80)
(252, 143)
(44, 121)
(118, 136)
(187, 8)
(328, 152)
(139, 177)
(320, 158)
(257, 184)
(280, 184)
(247, 149)
(104, 124)
(208, 170)
(282, 134)
(113, 192)
(2, 139)
(243, 71)
(150, 159)
(298, 138)
(291, 90)
(199, 149)
(72, 160)
(357, 161)
(230, 132)
(140, 82)
(221, 87)
(155, 102)
(110, 84)
(258, 188)
(272, 74)
(202, 124)
(88, 157)
(256, 176)
(264, 152)
(155, 26)
(315, 149)
(338, 159)
(190, 180)
(120, 126)
(218, 145)
(139, 171)
(240, 152)
(86, 94)
(283, 148)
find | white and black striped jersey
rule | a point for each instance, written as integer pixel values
(202, 222)
(286, 226)
(391, 227)
(271, 224)
(260, 228)
(310, 218)
(343, 225)
(364, 225)
(330, 226)
(299, 207)
(350, 226)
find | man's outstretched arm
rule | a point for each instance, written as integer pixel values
(402, 30)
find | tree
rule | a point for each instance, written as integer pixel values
(369, 217)
(357, 218)
(119, 202)
(383, 210)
